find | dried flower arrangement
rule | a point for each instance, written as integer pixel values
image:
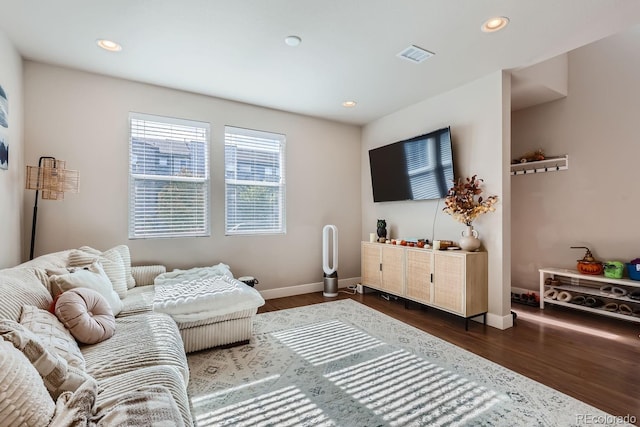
(464, 203)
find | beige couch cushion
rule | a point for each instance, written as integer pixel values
(86, 314)
(93, 278)
(53, 334)
(22, 286)
(139, 300)
(25, 400)
(50, 260)
(155, 333)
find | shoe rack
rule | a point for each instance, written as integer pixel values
(593, 293)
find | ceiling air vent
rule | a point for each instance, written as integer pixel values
(415, 54)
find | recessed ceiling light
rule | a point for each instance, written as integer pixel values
(349, 104)
(293, 40)
(495, 24)
(109, 45)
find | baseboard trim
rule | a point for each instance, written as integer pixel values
(305, 289)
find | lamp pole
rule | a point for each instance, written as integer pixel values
(35, 206)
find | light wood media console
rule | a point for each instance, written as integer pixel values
(453, 281)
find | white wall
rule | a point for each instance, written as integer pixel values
(83, 119)
(12, 180)
(479, 127)
(595, 203)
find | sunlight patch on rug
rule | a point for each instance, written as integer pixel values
(195, 401)
(284, 407)
(402, 388)
(327, 341)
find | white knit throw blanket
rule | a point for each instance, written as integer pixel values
(203, 292)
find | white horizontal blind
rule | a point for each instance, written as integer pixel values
(254, 182)
(168, 177)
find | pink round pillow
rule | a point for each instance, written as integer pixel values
(86, 314)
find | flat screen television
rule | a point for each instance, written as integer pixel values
(419, 168)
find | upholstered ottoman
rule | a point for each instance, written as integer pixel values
(210, 306)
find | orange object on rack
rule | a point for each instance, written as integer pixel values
(588, 264)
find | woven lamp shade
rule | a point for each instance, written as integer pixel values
(52, 179)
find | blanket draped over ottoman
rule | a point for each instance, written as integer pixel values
(210, 306)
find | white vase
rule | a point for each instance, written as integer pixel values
(469, 240)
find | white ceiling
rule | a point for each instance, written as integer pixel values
(236, 50)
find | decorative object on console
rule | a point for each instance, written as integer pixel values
(469, 240)
(50, 177)
(382, 230)
(465, 203)
(588, 264)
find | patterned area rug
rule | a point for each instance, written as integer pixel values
(344, 364)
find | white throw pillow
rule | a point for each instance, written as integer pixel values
(52, 334)
(111, 262)
(25, 399)
(93, 278)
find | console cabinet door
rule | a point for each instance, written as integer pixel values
(393, 270)
(371, 265)
(419, 275)
(449, 282)
(460, 282)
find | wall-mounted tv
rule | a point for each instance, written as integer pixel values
(419, 168)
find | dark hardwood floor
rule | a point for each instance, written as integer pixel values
(589, 357)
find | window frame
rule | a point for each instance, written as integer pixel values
(203, 195)
(235, 132)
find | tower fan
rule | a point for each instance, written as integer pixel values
(330, 232)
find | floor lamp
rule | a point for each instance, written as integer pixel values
(50, 177)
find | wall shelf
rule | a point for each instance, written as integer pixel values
(553, 164)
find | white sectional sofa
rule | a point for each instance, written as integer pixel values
(143, 361)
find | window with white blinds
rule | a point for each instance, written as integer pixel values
(168, 177)
(254, 182)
